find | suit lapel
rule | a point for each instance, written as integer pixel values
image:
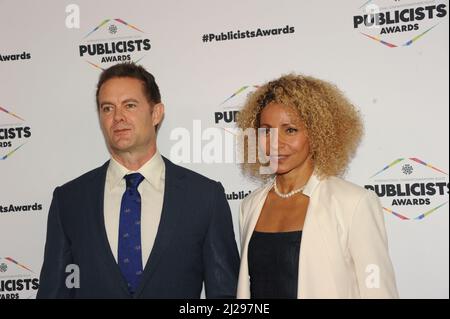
(174, 197)
(97, 198)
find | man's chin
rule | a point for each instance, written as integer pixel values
(121, 146)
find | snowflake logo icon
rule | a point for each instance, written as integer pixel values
(3, 267)
(112, 29)
(407, 169)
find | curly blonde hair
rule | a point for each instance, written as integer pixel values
(334, 126)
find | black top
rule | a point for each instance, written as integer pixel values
(273, 264)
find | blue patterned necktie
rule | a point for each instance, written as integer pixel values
(129, 252)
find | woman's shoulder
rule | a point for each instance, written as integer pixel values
(340, 187)
(348, 197)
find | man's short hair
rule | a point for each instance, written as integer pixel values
(131, 70)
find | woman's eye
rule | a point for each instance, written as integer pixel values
(291, 130)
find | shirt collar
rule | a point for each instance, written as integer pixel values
(152, 171)
(311, 185)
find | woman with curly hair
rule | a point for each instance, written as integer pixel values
(308, 233)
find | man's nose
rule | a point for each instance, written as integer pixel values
(118, 114)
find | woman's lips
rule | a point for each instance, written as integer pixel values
(278, 157)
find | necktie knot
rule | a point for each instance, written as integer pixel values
(133, 180)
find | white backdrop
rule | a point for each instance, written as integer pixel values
(49, 131)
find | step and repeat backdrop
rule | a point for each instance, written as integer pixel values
(389, 57)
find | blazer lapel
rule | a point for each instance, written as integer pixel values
(174, 197)
(97, 199)
(315, 263)
(253, 211)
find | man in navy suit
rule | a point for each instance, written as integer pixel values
(139, 226)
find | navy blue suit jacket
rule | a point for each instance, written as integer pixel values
(195, 242)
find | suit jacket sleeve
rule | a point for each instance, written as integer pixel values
(220, 254)
(56, 257)
(369, 249)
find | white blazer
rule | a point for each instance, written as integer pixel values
(344, 249)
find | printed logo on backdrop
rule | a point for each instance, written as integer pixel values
(114, 41)
(222, 142)
(238, 195)
(410, 188)
(225, 117)
(20, 208)
(216, 143)
(227, 110)
(17, 281)
(14, 132)
(394, 23)
(6, 57)
(231, 35)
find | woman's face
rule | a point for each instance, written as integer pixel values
(292, 150)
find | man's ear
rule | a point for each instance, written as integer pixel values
(157, 114)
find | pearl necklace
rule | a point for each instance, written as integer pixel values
(287, 195)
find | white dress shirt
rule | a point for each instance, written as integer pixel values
(151, 190)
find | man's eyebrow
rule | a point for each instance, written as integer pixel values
(130, 100)
(106, 102)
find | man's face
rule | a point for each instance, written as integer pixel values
(127, 119)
